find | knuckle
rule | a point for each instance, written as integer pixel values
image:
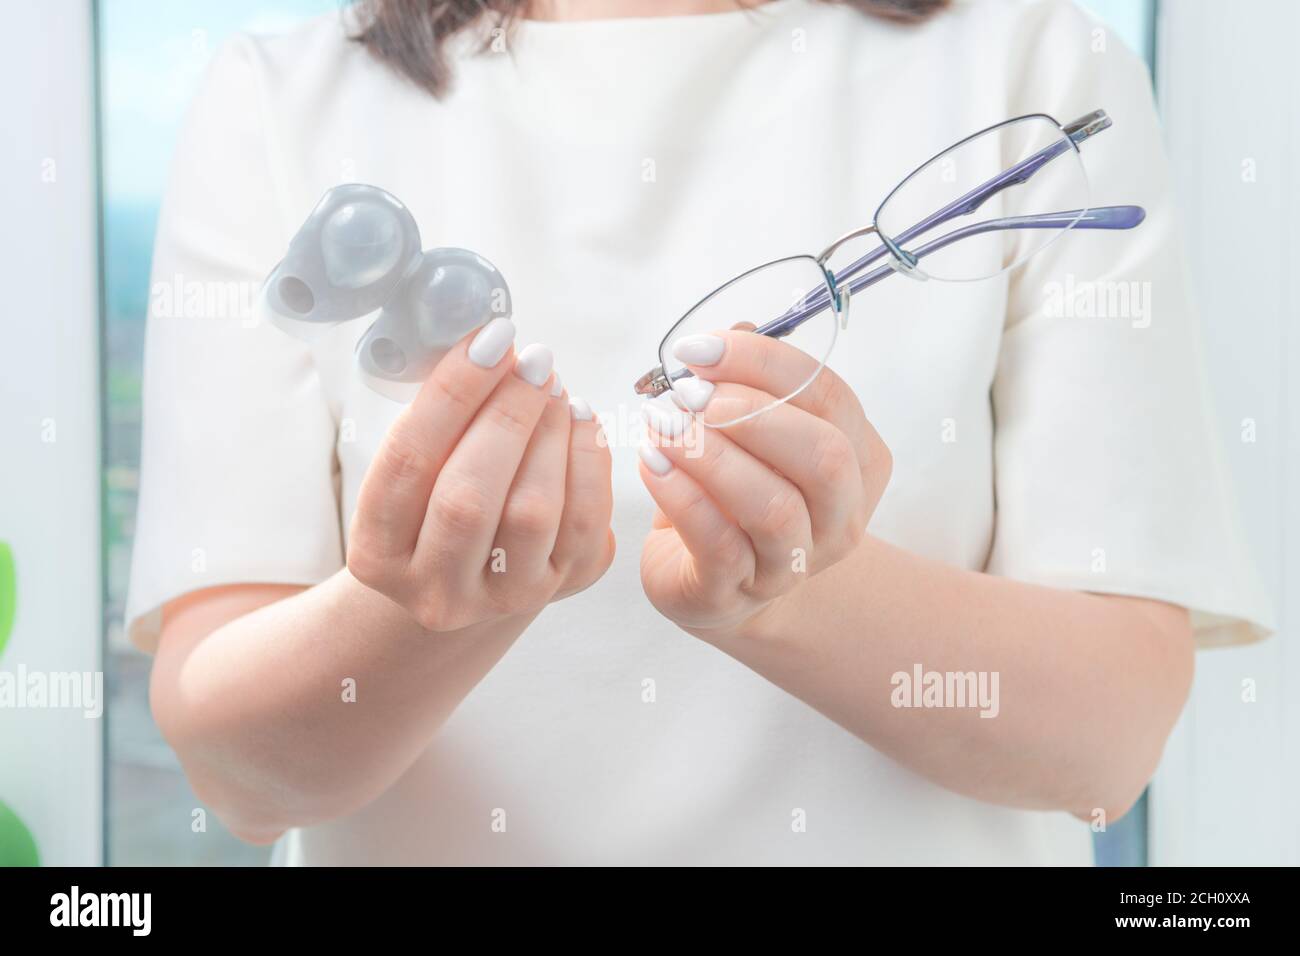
(585, 447)
(833, 459)
(824, 393)
(854, 532)
(517, 597)
(767, 357)
(462, 506)
(834, 546)
(361, 567)
(529, 514)
(703, 591)
(698, 501)
(438, 609)
(585, 524)
(728, 406)
(590, 465)
(529, 600)
(435, 616)
(707, 447)
(510, 418)
(590, 566)
(733, 552)
(603, 555)
(450, 396)
(782, 515)
(766, 587)
(403, 461)
(886, 461)
(880, 462)
(367, 564)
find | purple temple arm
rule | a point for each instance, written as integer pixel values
(964, 205)
(1105, 217)
(1111, 217)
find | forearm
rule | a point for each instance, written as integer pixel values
(307, 708)
(1088, 686)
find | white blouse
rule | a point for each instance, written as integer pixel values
(616, 171)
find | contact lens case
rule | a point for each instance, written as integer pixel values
(359, 253)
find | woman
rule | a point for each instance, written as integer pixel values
(975, 484)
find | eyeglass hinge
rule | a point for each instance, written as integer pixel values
(653, 382)
(1086, 126)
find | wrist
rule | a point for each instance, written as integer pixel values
(385, 614)
(763, 624)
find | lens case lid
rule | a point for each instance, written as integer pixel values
(346, 260)
(358, 252)
(450, 293)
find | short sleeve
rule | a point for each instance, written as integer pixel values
(237, 470)
(1109, 475)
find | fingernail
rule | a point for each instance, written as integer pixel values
(692, 393)
(534, 364)
(699, 349)
(666, 419)
(492, 342)
(557, 387)
(654, 459)
(580, 410)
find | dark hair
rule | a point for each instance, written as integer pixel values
(409, 35)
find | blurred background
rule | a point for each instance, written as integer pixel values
(151, 56)
(1229, 91)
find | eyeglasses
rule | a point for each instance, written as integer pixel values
(920, 222)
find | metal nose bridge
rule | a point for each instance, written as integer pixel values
(856, 233)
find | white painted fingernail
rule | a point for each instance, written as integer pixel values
(654, 459)
(699, 349)
(492, 342)
(664, 417)
(557, 387)
(580, 410)
(534, 364)
(693, 393)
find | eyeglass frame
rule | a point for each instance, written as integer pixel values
(840, 286)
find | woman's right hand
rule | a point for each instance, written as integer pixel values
(490, 495)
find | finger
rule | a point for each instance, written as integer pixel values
(721, 552)
(465, 507)
(775, 367)
(809, 451)
(395, 492)
(584, 544)
(531, 516)
(768, 507)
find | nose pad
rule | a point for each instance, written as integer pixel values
(907, 265)
(845, 295)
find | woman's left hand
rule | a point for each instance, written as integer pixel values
(750, 511)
